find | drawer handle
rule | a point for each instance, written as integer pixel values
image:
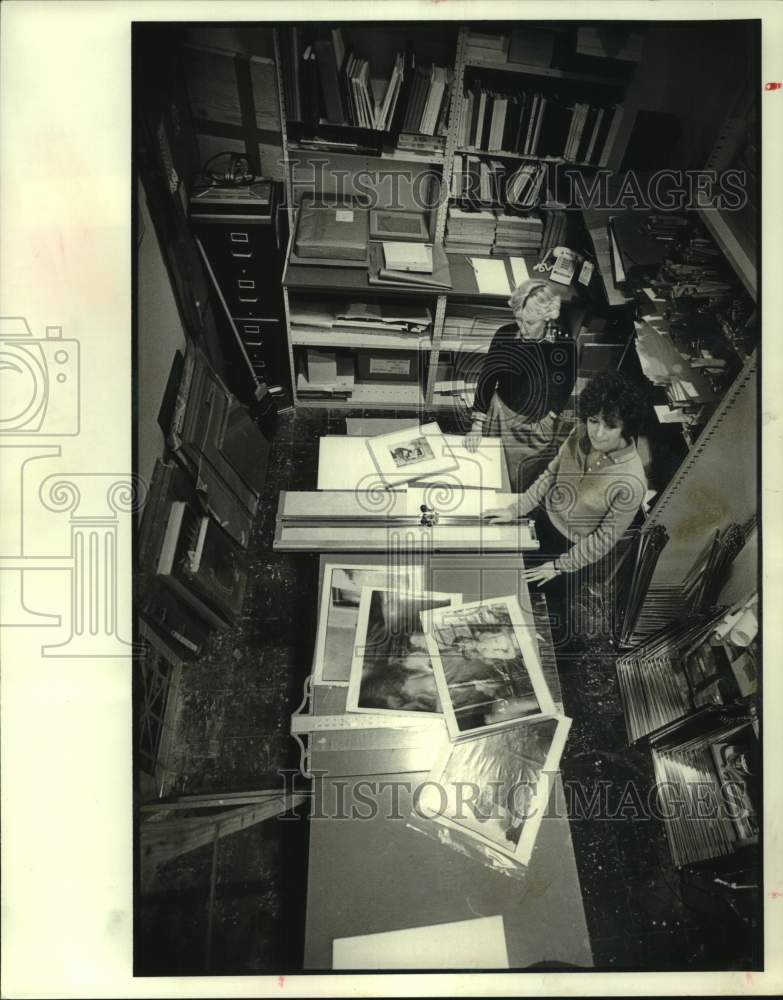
(242, 256)
(252, 329)
(246, 283)
(248, 300)
(240, 237)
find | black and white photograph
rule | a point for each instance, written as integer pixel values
(495, 789)
(392, 667)
(410, 452)
(390, 546)
(341, 592)
(486, 665)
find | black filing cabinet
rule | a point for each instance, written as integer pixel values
(243, 234)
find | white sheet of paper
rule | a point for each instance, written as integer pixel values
(518, 269)
(491, 276)
(345, 463)
(463, 944)
(668, 416)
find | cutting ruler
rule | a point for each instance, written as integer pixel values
(343, 743)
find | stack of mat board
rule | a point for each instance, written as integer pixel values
(470, 232)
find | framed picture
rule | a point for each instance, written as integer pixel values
(486, 797)
(411, 453)
(486, 666)
(391, 669)
(386, 224)
(341, 590)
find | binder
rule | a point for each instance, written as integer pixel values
(332, 232)
(328, 73)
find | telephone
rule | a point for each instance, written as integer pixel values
(562, 263)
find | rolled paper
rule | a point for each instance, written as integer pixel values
(744, 632)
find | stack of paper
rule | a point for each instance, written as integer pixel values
(516, 233)
(491, 276)
(470, 232)
(401, 256)
(369, 317)
(380, 274)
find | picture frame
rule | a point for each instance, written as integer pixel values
(411, 453)
(391, 224)
(391, 670)
(486, 797)
(337, 619)
(487, 668)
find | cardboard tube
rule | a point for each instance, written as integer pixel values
(744, 631)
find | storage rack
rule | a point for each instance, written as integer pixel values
(333, 281)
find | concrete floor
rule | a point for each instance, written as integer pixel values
(231, 734)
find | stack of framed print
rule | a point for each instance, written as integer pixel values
(341, 591)
(489, 787)
(392, 669)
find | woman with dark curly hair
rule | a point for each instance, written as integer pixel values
(594, 486)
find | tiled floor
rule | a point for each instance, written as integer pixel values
(232, 735)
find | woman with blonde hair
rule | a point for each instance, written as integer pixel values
(525, 382)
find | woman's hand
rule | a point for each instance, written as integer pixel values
(540, 574)
(500, 515)
(473, 439)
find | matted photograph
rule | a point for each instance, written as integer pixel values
(338, 613)
(411, 453)
(495, 788)
(416, 450)
(391, 669)
(486, 664)
(397, 225)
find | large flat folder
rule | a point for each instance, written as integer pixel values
(332, 232)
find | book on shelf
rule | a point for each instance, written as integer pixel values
(528, 123)
(331, 232)
(379, 274)
(400, 256)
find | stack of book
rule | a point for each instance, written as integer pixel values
(325, 375)
(470, 232)
(523, 188)
(555, 226)
(532, 124)
(516, 234)
(324, 82)
(482, 46)
(426, 111)
(479, 182)
(404, 274)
